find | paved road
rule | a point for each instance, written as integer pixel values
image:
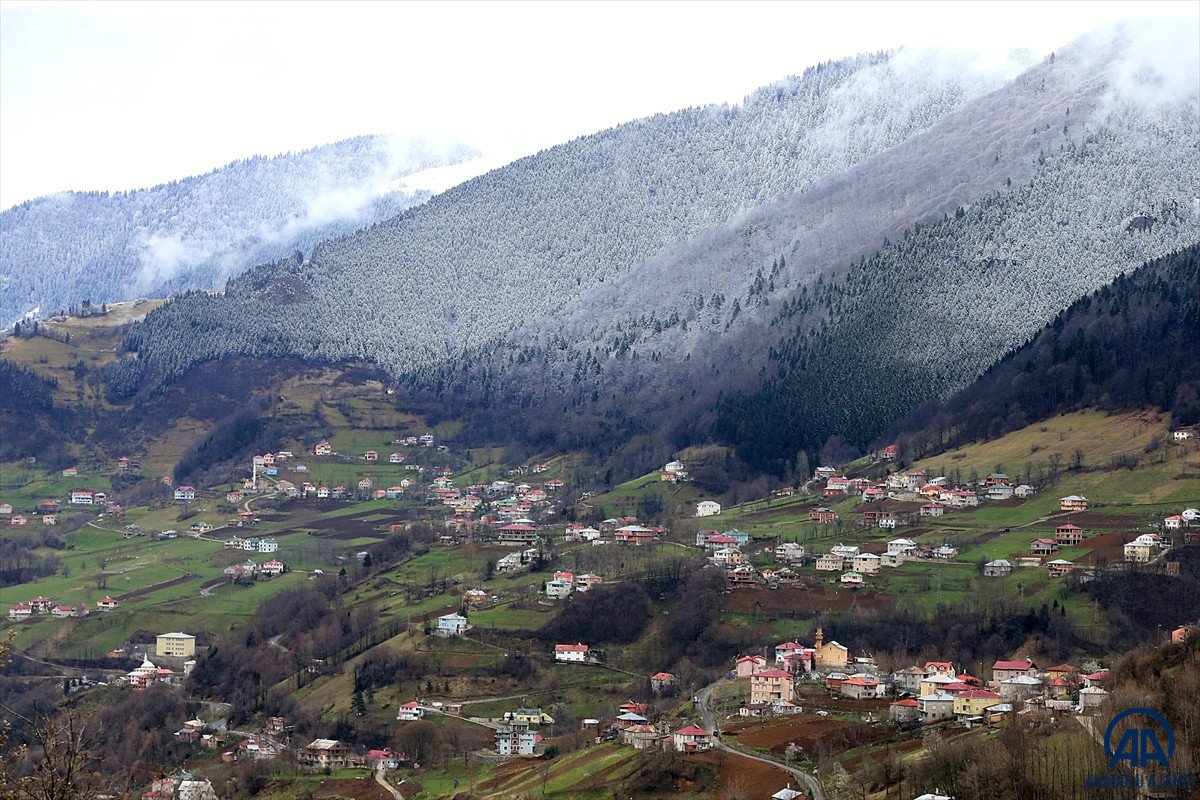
(709, 721)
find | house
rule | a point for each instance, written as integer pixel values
(1059, 568)
(872, 494)
(323, 449)
(529, 716)
(587, 581)
(410, 711)
(997, 569)
(19, 521)
(844, 550)
(891, 560)
(1092, 697)
(107, 604)
(935, 706)
(789, 552)
(946, 552)
(830, 654)
(908, 679)
(633, 535)
(889, 453)
(79, 497)
(972, 702)
(690, 740)
(1140, 550)
(997, 479)
(904, 710)
(516, 739)
(20, 611)
(851, 579)
(822, 516)
(384, 759)
(770, 685)
(371, 455)
(1182, 435)
(748, 665)
(936, 682)
(728, 556)
(707, 508)
(932, 510)
(452, 625)
(1072, 503)
(1003, 670)
(571, 653)
(41, 605)
(783, 651)
(70, 472)
(661, 680)
(867, 563)
(1020, 688)
(325, 753)
(1043, 547)
(1024, 491)
(1068, 534)
(185, 494)
(861, 687)
(1000, 492)
(829, 562)
(558, 589)
(177, 644)
(272, 568)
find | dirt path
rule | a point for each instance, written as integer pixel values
(382, 781)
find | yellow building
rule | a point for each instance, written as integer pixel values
(831, 654)
(175, 644)
(972, 703)
(770, 685)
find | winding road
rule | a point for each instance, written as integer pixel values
(708, 719)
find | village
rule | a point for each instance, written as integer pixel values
(516, 557)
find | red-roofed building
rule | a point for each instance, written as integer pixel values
(860, 687)
(690, 739)
(661, 680)
(571, 653)
(1003, 670)
(748, 665)
(771, 685)
(904, 710)
(1068, 534)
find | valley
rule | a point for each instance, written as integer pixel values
(393, 567)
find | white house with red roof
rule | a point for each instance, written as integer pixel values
(782, 651)
(185, 494)
(107, 604)
(81, 497)
(571, 653)
(690, 739)
(19, 611)
(661, 680)
(410, 711)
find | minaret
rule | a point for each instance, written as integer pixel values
(820, 638)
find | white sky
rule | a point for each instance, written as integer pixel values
(122, 95)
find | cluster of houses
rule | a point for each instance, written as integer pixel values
(331, 754)
(251, 545)
(932, 692)
(46, 513)
(183, 786)
(252, 571)
(563, 583)
(44, 606)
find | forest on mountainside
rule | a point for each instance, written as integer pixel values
(196, 232)
(515, 244)
(1131, 344)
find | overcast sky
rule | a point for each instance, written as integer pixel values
(123, 95)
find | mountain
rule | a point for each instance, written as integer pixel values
(1129, 345)
(818, 261)
(195, 233)
(519, 242)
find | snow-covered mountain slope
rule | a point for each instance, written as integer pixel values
(760, 268)
(197, 232)
(519, 242)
